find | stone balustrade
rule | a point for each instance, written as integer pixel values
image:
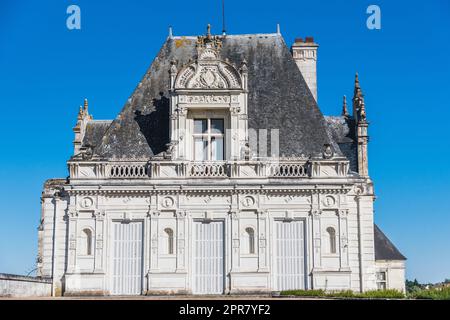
(208, 169)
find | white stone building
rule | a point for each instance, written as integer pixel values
(220, 175)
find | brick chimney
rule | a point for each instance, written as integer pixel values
(305, 55)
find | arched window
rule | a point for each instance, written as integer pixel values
(332, 239)
(86, 237)
(169, 234)
(251, 240)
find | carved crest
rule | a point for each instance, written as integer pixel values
(208, 72)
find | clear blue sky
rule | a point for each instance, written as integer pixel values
(47, 70)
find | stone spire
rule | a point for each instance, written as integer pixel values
(359, 109)
(359, 113)
(82, 119)
(344, 107)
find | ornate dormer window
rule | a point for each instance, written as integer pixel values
(208, 105)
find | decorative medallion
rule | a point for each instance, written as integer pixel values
(167, 202)
(329, 201)
(248, 201)
(86, 202)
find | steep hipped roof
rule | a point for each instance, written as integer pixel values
(384, 248)
(279, 98)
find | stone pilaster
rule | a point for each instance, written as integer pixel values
(262, 241)
(181, 241)
(99, 216)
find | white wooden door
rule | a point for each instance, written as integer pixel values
(289, 255)
(208, 264)
(127, 258)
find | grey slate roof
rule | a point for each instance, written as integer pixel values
(384, 248)
(95, 130)
(279, 98)
(342, 131)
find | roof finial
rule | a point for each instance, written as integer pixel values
(344, 107)
(86, 105)
(208, 31)
(224, 30)
(359, 108)
(362, 110)
(357, 90)
(278, 29)
(80, 113)
(170, 32)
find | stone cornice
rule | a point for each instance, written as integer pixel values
(343, 189)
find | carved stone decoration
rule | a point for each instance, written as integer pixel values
(328, 201)
(167, 202)
(248, 202)
(207, 99)
(316, 213)
(328, 152)
(359, 189)
(86, 202)
(72, 242)
(208, 72)
(99, 215)
(343, 213)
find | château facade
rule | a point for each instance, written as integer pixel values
(219, 176)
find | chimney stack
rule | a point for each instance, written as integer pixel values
(305, 55)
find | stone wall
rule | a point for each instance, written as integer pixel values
(23, 286)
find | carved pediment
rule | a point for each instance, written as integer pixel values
(208, 74)
(208, 71)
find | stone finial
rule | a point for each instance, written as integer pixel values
(278, 29)
(80, 113)
(208, 31)
(357, 90)
(86, 106)
(359, 111)
(362, 110)
(344, 107)
(170, 32)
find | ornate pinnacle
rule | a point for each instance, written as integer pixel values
(362, 110)
(80, 113)
(86, 105)
(357, 90)
(344, 107)
(208, 31)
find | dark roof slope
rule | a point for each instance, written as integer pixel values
(342, 131)
(95, 130)
(279, 98)
(384, 248)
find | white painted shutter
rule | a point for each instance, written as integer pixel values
(208, 271)
(127, 258)
(289, 259)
